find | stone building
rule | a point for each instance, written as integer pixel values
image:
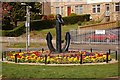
(104, 10)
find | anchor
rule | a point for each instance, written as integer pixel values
(59, 22)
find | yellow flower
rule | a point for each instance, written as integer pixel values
(38, 59)
(109, 57)
(12, 57)
(21, 53)
(93, 59)
(51, 59)
(96, 55)
(22, 57)
(75, 59)
(104, 56)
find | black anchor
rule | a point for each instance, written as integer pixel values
(59, 22)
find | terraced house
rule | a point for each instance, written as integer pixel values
(104, 10)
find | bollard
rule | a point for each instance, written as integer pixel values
(76, 35)
(109, 51)
(20, 50)
(15, 58)
(91, 50)
(107, 57)
(2, 55)
(80, 58)
(45, 59)
(42, 50)
(116, 55)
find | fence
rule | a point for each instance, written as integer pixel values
(95, 36)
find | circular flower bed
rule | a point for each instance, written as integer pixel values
(71, 57)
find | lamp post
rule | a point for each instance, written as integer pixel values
(27, 25)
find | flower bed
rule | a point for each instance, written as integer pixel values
(71, 57)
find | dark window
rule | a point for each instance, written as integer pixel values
(96, 8)
(117, 7)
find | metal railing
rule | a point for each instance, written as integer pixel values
(90, 37)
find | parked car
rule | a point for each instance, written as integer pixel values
(107, 37)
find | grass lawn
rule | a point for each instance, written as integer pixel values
(43, 33)
(32, 71)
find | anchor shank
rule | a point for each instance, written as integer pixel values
(58, 36)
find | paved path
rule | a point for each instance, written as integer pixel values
(20, 39)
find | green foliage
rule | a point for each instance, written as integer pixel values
(16, 12)
(80, 23)
(76, 19)
(73, 14)
(51, 17)
(35, 16)
(118, 23)
(45, 24)
(6, 25)
(15, 32)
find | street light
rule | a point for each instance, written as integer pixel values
(27, 25)
(42, 3)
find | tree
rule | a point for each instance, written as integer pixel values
(14, 11)
(6, 16)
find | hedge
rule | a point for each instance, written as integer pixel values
(76, 19)
(15, 32)
(45, 24)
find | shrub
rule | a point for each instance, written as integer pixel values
(76, 19)
(36, 16)
(45, 24)
(15, 32)
(73, 14)
(51, 17)
(44, 17)
(80, 23)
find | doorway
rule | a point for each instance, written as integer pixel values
(68, 10)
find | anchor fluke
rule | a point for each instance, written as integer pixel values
(49, 42)
(67, 43)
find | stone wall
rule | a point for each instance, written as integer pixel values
(99, 26)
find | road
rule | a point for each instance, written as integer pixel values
(87, 46)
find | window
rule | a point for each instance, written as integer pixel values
(62, 11)
(96, 8)
(81, 9)
(107, 7)
(57, 10)
(107, 10)
(117, 7)
(76, 9)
